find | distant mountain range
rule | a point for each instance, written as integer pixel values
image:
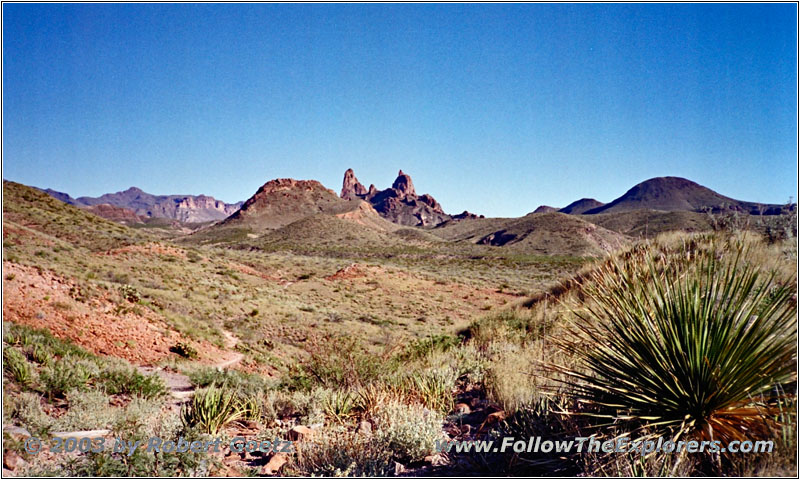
(282, 201)
(184, 208)
(669, 194)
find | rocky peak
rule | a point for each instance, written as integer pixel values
(284, 184)
(404, 184)
(351, 187)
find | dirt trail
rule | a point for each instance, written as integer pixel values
(179, 385)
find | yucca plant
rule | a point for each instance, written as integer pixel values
(339, 405)
(211, 409)
(16, 367)
(692, 346)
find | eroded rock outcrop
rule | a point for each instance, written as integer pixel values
(399, 204)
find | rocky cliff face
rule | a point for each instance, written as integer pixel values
(399, 204)
(115, 214)
(184, 208)
(351, 187)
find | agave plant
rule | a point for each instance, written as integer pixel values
(685, 347)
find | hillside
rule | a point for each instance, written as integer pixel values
(675, 194)
(283, 201)
(555, 234)
(649, 223)
(580, 206)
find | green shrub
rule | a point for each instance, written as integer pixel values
(16, 367)
(213, 408)
(433, 388)
(184, 350)
(408, 431)
(64, 376)
(27, 410)
(339, 363)
(88, 410)
(124, 379)
(338, 405)
(691, 344)
(130, 293)
(435, 343)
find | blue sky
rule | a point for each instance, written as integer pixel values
(495, 109)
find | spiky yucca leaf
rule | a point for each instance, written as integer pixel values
(685, 347)
(213, 408)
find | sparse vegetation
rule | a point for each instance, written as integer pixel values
(384, 342)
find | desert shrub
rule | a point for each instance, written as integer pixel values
(87, 410)
(340, 363)
(27, 409)
(30, 338)
(433, 388)
(435, 343)
(184, 350)
(408, 431)
(40, 354)
(342, 453)
(66, 375)
(144, 418)
(338, 405)
(16, 366)
(124, 379)
(212, 408)
(130, 293)
(540, 418)
(688, 343)
(244, 383)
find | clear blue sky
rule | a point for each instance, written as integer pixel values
(494, 109)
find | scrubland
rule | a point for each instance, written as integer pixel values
(380, 352)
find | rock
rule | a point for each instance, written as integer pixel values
(404, 185)
(399, 204)
(492, 419)
(12, 460)
(364, 428)
(462, 408)
(275, 463)
(82, 434)
(300, 433)
(435, 460)
(398, 468)
(351, 187)
(16, 433)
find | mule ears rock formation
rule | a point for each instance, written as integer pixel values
(399, 204)
(352, 188)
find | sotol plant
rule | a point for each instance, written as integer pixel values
(690, 347)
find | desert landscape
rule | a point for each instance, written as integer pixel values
(399, 239)
(366, 325)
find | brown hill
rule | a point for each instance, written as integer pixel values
(283, 201)
(545, 209)
(580, 206)
(115, 214)
(555, 234)
(675, 193)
